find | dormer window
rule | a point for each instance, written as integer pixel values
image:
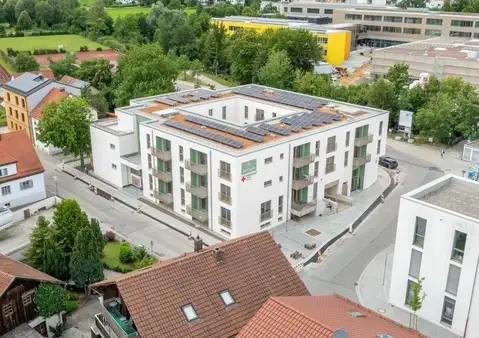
(227, 298)
(3, 172)
(189, 312)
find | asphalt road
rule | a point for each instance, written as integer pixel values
(344, 262)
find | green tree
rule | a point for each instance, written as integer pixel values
(174, 33)
(77, 20)
(96, 71)
(436, 118)
(196, 69)
(66, 125)
(415, 301)
(66, 66)
(55, 261)
(99, 23)
(175, 4)
(243, 53)
(313, 84)
(85, 262)
(50, 299)
(278, 71)
(9, 11)
(127, 29)
(44, 13)
(144, 71)
(412, 4)
(183, 65)
(382, 95)
(24, 21)
(26, 63)
(35, 254)
(25, 5)
(95, 227)
(398, 75)
(213, 45)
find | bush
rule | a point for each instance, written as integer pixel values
(117, 268)
(110, 235)
(71, 296)
(71, 305)
(83, 48)
(146, 261)
(99, 49)
(126, 254)
(139, 253)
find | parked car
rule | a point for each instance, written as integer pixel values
(388, 162)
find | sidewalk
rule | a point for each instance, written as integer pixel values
(373, 290)
(292, 235)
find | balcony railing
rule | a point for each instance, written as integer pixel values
(198, 214)
(302, 209)
(165, 198)
(226, 175)
(224, 222)
(162, 175)
(300, 183)
(331, 147)
(164, 155)
(120, 326)
(362, 141)
(266, 215)
(330, 168)
(224, 198)
(102, 325)
(299, 162)
(361, 160)
(197, 168)
(201, 192)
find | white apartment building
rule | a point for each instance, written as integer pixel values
(243, 159)
(21, 172)
(437, 239)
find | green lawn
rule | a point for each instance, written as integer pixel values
(70, 42)
(7, 65)
(86, 2)
(220, 79)
(122, 11)
(111, 254)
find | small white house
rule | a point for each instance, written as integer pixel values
(21, 172)
(470, 152)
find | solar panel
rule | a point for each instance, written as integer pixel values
(203, 133)
(226, 129)
(177, 99)
(164, 100)
(295, 129)
(273, 129)
(256, 130)
(195, 98)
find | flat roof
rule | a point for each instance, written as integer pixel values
(27, 83)
(450, 192)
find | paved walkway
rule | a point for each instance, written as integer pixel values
(292, 235)
(373, 290)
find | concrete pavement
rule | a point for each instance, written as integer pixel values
(373, 292)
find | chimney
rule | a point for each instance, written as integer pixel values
(198, 243)
(218, 254)
(62, 89)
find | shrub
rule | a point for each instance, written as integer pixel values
(139, 252)
(71, 296)
(71, 305)
(99, 49)
(126, 254)
(146, 261)
(117, 268)
(83, 48)
(110, 235)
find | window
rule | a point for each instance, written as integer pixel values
(328, 11)
(281, 178)
(223, 113)
(268, 183)
(281, 156)
(458, 246)
(448, 311)
(379, 147)
(148, 141)
(453, 279)
(8, 309)
(150, 182)
(227, 298)
(372, 28)
(112, 146)
(436, 22)
(225, 193)
(27, 297)
(296, 10)
(432, 32)
(460, 34)
(8, 97)
(28, 184)
(16, 100)
(11, 111)
(150, 162)
(23, 103)
(268, 160)
(346, 155)
(461, 23)
(225, 217)
(415, 31)
(316, 168)
(246, 112)
(259, 115)
(189, 312)
(3, 172)
(16, 114)
(415, 263)
(210, 112)
(409, 291)
(315, 190)
(331, 146)
(6, 190)
(313, 10)
(373, 18)
(420, 232)
(330, 166)
(353, 17)
(274, 114)
(392, 29)
(317, 148)
(182, 193)
(413, 20)
(265, 211)
(286, 9)
(393, 19)
(23, 117)
(180, 148)
(225, 170)
(280, 204)
(113, 166)
(380, 128)
(182, 175)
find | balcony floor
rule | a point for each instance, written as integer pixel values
(124, 325)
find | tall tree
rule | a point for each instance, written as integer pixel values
(85, 262)
(383, 96)
(9, 10)
(26, 63)
(35, 254)
(412, 4)
(213, 46)
(44, 13)
(99, 23)
(278, 71)
(97, 234)
(66, 125)
(50, 299)
(398, 75)
(127, 29)
(313, 84)
(24, 21)
(144, 71)
(55, 261)
(25, 5)
(184, 65)
(174, 32)
(66, 66)
(97, 71)
(436, 118)
(243, 52)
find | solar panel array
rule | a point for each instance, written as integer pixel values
(283, 97)
(307, 120)
(226, 129)
(203, 133)
(178, 99)
(257, 131)
(166, 101)
(274, 129)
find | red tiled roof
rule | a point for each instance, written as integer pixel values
(253, 269)
(11, 269)
(54, 96)
(68, 80)
(4, 75)
(318, 317)
(16, 147)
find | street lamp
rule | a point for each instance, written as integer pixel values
(56, 185)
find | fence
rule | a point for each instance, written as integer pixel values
(32, 209)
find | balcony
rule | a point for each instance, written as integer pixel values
(300, 183)
(302, 209)
(330, 168)
(299, 162)
(226, 175)
(224, 222)
(198, 214)
(266, 216)
(362, 141)
(197, 168)
(199, 191)
(224, 198)
(164, 155)
(162, 175)
(112, 318)
(165, 198)
(331, 147)
(361, 160)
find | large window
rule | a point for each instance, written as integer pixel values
(280, 204)
(461, 23)
(371, 28)
(259, 115)
(458, 246)
(415, 31)
(28, 184)
(420, 232)
(432, 32)
(393, 19)
(373, 18)
(353, 17)
(346, 155)
(296, 10)
(436, 22)
(348, 136)
(225, 219)
(415, 264)
(409, 290)
(460, 34)
(380, 128)
(413, 20)
(448, 311)
(328, 11)
(6, 190)
(392, 29)
(453, 279)
(313, 10)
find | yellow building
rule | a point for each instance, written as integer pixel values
(336, 42)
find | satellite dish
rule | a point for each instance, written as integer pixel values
(340, 333)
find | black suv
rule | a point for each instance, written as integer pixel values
(388, 162)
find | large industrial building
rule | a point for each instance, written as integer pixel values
(243, 159)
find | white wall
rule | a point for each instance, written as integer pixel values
(34, 99)
(19, 197)
(436, 254)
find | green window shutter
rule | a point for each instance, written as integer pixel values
(195, 202)
(303, 195)
(193, 156)
(195, 179)
(162, 186)
(306, 149)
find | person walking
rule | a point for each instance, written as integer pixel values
(442, 152)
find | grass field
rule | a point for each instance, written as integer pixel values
(122, 11)
(71, 43)
(111, 256)
(7, 65)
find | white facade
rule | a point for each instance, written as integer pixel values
(15, 193)
(255, 197)
(437, 239)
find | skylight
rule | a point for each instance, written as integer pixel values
(189, 312)
(227, 298)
